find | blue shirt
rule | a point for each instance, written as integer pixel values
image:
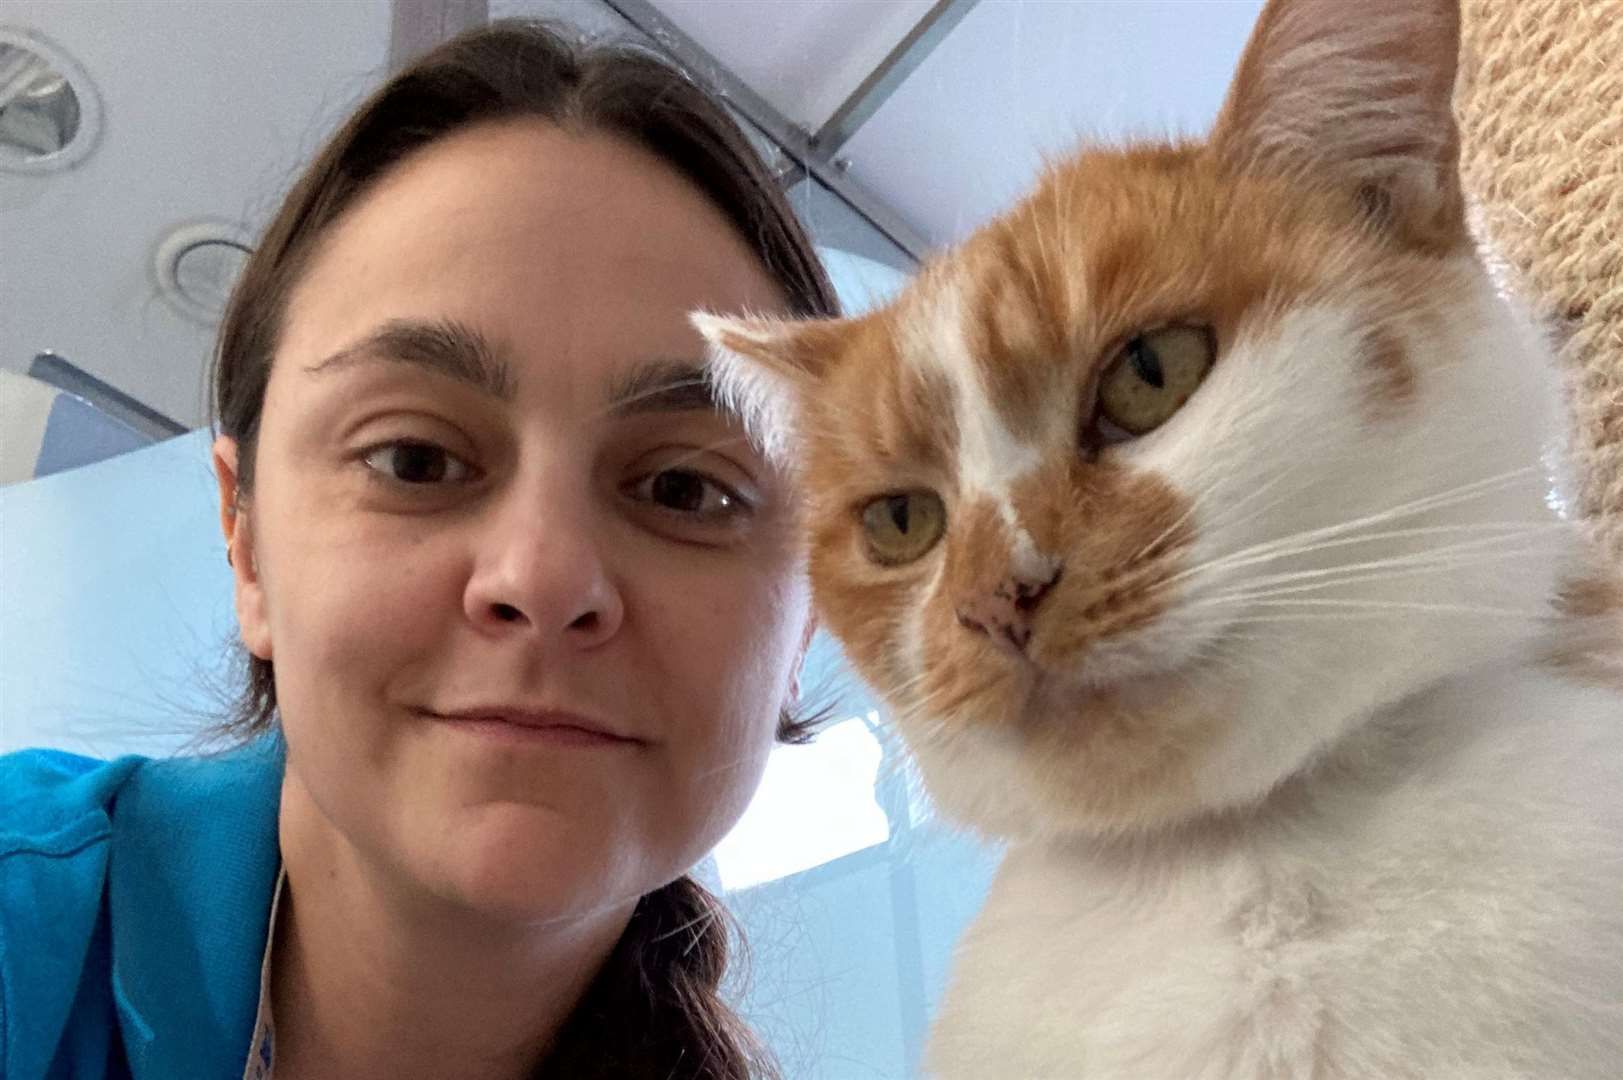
(135, 900)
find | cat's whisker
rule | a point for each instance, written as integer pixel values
(1323, 617)
(1153, 545)
(1403, 605)
(651, 392)
(1224, 519)
(1475, 537)
(1437, 561)
(1442, 557)
(1228, 517)
(919, 717)
(1309, 549)
(945, 704)
(1241, 597)
(941, 704)
(905, 690)
(1433, 552)
(697, 452)
(1244, 596)
(922, 728)
(1297, 543)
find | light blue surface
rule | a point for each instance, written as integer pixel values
(115, 604)
(115, 621)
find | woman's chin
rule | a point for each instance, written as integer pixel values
(516, 863)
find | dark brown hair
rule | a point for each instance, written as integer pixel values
(655, 1008)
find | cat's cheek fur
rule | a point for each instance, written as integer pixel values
(1303, 692)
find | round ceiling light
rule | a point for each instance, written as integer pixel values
(50, 115)
(197, 265)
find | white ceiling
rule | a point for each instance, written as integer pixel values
(209, 108)
(804, 56)
(1017, 79)
(211, 105)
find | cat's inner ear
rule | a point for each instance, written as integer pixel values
(796, 350)
(762, 367)
(1359, 95)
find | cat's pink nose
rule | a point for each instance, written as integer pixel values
(1005, 614)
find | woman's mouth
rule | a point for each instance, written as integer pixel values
(549, 726)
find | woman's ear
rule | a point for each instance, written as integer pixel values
(239, 551)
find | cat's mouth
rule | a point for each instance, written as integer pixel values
(1136, 674)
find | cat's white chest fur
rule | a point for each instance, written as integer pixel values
(1446, 900)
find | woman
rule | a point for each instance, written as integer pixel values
(522, 608)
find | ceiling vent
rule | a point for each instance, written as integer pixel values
(50, 115)
(197, 265)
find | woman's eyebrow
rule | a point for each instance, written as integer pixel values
(449, 347)
(664, 386)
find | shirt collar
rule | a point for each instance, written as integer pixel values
(261, 1050)
(192, 868)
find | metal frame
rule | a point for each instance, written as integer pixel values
(795, 141)
(419, 25)
(67, 377)
(892, 71)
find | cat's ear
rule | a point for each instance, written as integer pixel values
(1360, 95)
(762, 367)
(797, 350)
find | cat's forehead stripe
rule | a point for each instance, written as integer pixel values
(1025, 560)
(990, 456)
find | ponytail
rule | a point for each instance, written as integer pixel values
(656, 1010)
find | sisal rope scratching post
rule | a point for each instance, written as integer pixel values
(1541, 125)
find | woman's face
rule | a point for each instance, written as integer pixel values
(533, 602)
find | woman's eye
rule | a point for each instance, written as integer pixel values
(1152, 377)
(408, 461)
(688, 492)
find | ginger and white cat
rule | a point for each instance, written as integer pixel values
(1194, 519)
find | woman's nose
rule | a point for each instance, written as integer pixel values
(544, 570)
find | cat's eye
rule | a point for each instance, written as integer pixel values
(903, 527)
(1153, 375)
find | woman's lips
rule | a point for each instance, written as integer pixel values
(560, 728)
